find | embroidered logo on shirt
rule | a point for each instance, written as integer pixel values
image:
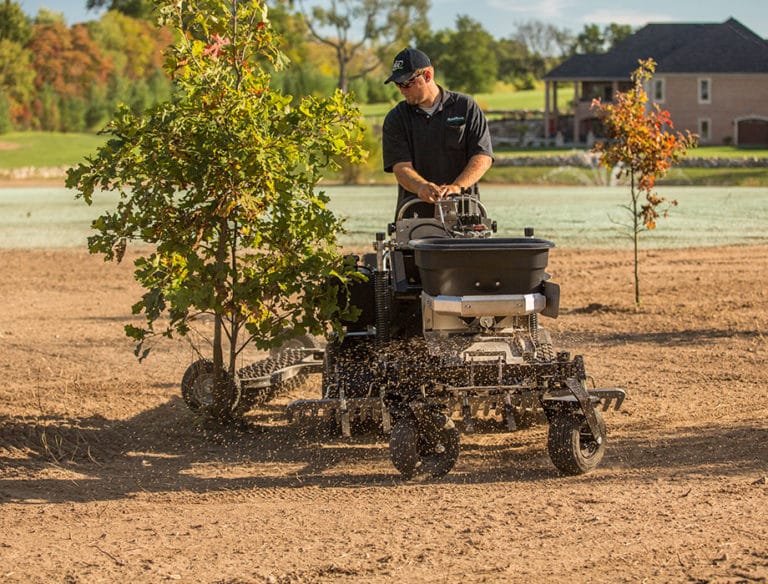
(455, 121)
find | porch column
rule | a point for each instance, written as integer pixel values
(547, 86)
(576, 103)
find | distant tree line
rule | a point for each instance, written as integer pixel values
(55, 77)
(59, 78)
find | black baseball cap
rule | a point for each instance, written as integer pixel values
(406, 62)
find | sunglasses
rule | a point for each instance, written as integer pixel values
(407, 84)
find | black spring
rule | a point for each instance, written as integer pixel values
(533, 325)
(382, 306)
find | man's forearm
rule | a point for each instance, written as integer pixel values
(476, 167)
(413, 182)
(408, 178)
(428, 191)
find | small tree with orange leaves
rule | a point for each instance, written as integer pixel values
(641, 143)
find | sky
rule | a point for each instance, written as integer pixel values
(501, 17)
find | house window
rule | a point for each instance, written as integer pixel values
(705, 90)
(704, 129)
(658, 90)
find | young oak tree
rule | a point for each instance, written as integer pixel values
(221, 182)
(641, 145)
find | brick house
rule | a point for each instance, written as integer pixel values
(712, 78)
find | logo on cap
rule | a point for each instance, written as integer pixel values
(407, 62)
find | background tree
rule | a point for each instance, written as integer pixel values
(547, 45)
(590, 40)
(594, 40)
(313, 69)
(615, 33)
(134, 48)
(16, 73)
(465, 59)
(68, 64)
(514, 63)
(364, 33)
(221, 180)
(134, 8)
(16, 86)
(642, 145)
(14, 24)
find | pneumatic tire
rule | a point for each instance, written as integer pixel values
(572, 447)
(417, 452)
(197, 391)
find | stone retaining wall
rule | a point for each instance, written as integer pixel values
(588, 160)
(30, 172)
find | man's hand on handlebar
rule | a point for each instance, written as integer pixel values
(452, 189)
(430, 192)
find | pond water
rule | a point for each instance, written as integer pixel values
(581, 217)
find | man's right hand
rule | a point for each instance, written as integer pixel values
(413, 182)
(431, 193)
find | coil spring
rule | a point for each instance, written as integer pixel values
(382, 306)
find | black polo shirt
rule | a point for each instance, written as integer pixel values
(438, 145)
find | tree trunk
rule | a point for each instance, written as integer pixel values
(341, 55)
(221, 389)
(635, 238)
(234, 324)
(637, 274)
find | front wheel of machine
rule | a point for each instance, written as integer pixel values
(572, 447)
(416, 452)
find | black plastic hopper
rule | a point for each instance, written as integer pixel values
(462, 267)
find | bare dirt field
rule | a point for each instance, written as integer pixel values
(105, 476)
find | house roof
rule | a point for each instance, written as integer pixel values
(729, 47)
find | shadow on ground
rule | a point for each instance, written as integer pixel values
(162, 451)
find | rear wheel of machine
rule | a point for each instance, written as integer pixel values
(281, 360)
(572, 447)
(197, 390)
(414, 451)
(300, 342)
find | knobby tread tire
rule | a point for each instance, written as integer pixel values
(285, 358)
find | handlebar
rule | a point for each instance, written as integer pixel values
(452, 199)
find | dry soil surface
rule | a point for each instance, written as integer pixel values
(105, 476)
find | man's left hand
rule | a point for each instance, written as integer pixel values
(452, 189)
